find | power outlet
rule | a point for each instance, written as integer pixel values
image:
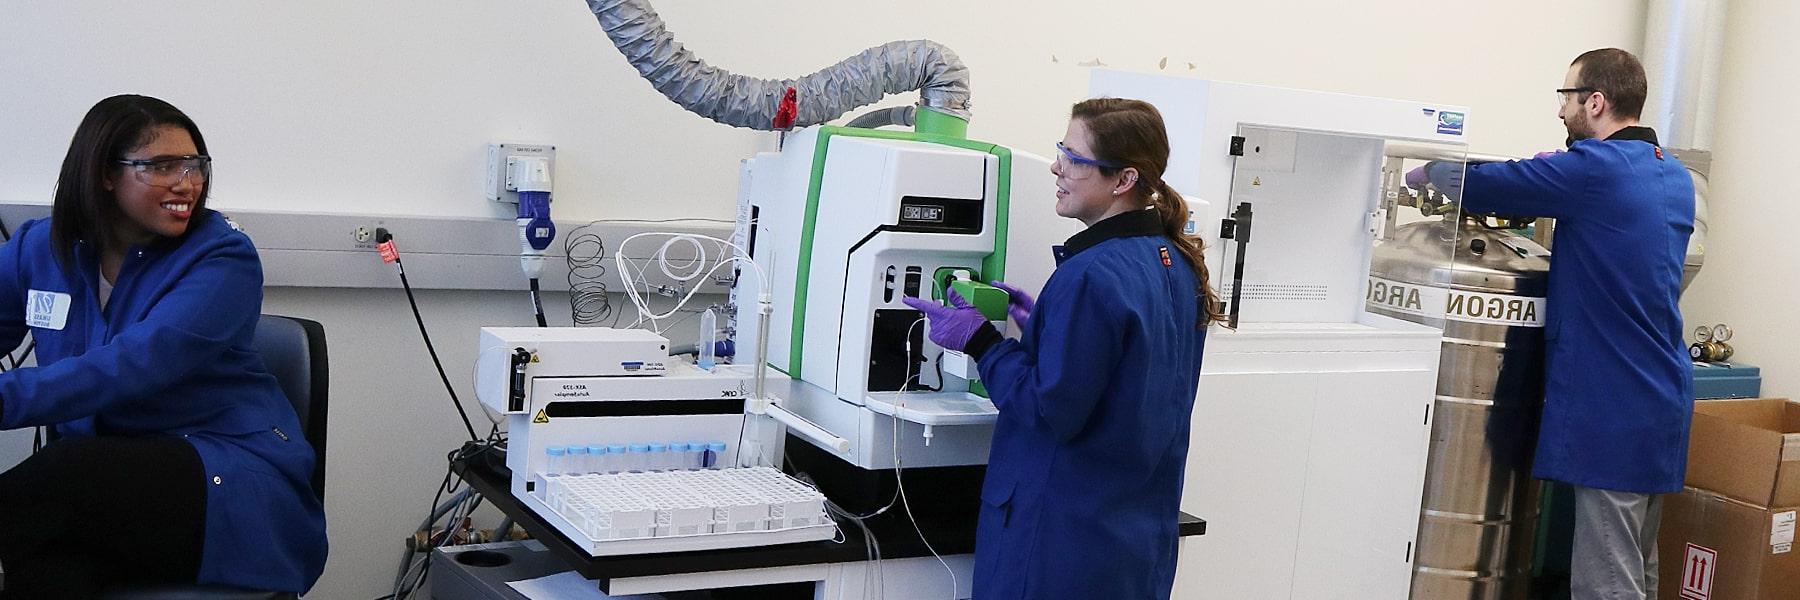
(500, 187)
(364, 234)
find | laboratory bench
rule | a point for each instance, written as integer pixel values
(950, 532)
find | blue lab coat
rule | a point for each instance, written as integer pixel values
(171, 355)
(1084, 479)
(1618, 394)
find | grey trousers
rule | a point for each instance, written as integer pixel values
(1614, 554)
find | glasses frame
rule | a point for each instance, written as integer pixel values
(1083, 160)
(1575, 90)
(142, 173)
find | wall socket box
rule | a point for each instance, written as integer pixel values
(500, 186)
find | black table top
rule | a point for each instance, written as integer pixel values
(487, 473)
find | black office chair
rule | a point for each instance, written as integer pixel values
(294, 351)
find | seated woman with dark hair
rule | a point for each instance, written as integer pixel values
(175, 458)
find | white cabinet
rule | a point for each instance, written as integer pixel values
(1307, 460)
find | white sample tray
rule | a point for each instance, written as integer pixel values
(680, 511)
(934, 408)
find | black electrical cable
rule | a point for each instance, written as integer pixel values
(585, 252)
(940, 374)
(451, 483)
(466, 452)
(537, 303)
(382, 236)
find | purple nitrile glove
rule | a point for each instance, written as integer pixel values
(1018, 303)
(951, 326)
(1446, 177)
(1417, 178)
(1547, 154)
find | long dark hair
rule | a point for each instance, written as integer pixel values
(1130, 133)
(84, 209)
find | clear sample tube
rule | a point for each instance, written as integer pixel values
(709, 334)
(577, 459)
(696, 455)
(557, 456)
(715, 453)
(615, 459)
(597, 458)
(659, 457)
(638, 459)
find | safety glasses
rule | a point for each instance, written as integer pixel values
(166, 171)
(1067, 160)
(1562, 94)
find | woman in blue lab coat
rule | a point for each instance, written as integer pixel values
(175, 457)
(1084, 478)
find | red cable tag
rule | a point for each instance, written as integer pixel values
(389, 253)
(786, 111)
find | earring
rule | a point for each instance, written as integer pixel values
(1115, 192)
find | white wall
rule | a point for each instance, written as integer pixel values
(1751, 273)
(385, 107)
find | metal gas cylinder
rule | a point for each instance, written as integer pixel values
(1479, 514)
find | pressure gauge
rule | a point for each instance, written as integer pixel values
(1702, 334)
(1721, 333)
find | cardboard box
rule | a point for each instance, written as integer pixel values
(1748, 450)
(1716, 548)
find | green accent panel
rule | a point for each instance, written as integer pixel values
(994, 266)
(946, 274)
(976, 388)
(940, 123)
(990, 300)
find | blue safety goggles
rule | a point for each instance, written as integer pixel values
(1070, 157)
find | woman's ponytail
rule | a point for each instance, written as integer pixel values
(1174, 212)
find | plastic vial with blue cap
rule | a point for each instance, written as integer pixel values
(678, 452)
(659, 457)
(596, 458)
(714, 451)
(691, 459)
(615, 459)
(696, 455)
(578, 458)
(709, 335)
(557, 457)
(638, 459)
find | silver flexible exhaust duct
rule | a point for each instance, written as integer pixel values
(740, 101)
(1684, 50)
(898, 115)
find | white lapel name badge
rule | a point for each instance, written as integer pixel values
(47, 310)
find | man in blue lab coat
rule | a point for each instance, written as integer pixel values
(1619, 395)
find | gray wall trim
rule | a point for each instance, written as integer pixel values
(322, 250)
